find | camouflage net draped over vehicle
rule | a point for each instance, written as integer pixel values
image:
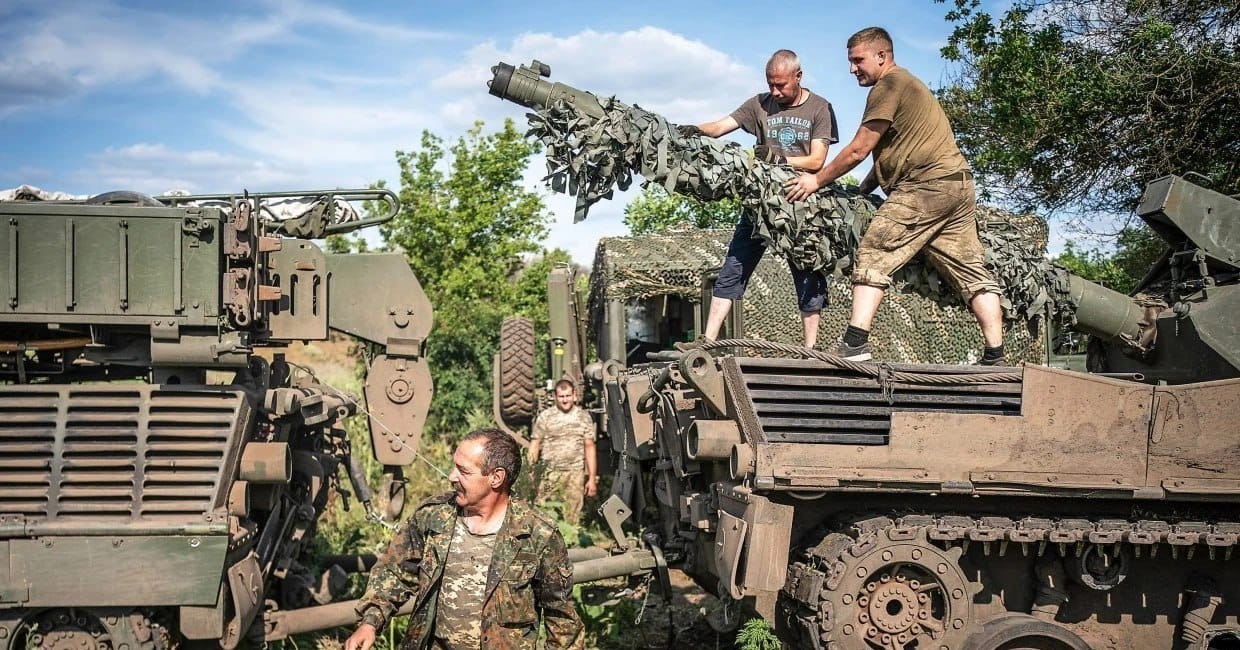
(911, 327)
(590, 157)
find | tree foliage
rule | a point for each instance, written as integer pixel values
(1078, 103)
(1137, 249)
(466, 224)
(655, 209)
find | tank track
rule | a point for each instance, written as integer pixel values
(896, 582)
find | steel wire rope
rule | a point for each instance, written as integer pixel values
(879, 371)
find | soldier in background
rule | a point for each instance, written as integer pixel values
(564, 437)
(930, 206)
(793, 127)
(481, 564)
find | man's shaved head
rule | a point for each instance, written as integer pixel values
(783, 61)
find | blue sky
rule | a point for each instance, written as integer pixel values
(292, 94)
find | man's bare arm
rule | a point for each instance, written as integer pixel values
(591, 468)
(849, 157)
(719, 127)
(869, 183)
(812, 162)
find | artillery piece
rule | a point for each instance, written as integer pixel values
(914, 505)
(140, 505)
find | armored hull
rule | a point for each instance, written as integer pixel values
(142, 506)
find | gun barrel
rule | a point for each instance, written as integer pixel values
(1104, 312)
(525, 85)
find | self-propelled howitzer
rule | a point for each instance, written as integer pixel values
(941, 506)
(142, 505)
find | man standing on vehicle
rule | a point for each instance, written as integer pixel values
(481, 565)
(930, 204)
(793, 127)
(564, 438)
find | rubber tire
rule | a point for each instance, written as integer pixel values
(124, 197)
(1017, 631)
(516, 371)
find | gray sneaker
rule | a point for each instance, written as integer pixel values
(853, 353)
(1001, 361)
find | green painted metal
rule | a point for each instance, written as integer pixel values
(114, 571)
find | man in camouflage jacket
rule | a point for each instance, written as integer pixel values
(563, 437)
(528, 575)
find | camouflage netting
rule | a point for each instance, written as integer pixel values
(590, 157)
(910, 327)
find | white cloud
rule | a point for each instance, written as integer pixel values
(102, 43)
(338, 126)
(26, 83)
(682, 79)
(155, 169)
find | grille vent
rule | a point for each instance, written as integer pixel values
(114, 453)
(810, 402)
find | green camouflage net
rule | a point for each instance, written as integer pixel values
(911, 327)
(589, 158)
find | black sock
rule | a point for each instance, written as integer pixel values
(855, 336)
(990, 354)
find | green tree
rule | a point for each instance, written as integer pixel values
(654, 209)
(1136, 250)
(1078, 103)
(466, 223)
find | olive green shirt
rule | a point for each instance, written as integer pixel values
(919, 145)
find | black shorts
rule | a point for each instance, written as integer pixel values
(744, 253)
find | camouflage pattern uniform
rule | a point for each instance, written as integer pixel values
(529, 576)
(464, 588)
(563, 437)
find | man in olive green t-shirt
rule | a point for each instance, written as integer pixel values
(930, 206)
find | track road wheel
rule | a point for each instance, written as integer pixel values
(898, 594)
(516, 371)
(1015, 631)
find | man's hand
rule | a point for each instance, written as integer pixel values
(766, 154)
(591, 486)
(362, 639)
(801, 187)
(689, 130)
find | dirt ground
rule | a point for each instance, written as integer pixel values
(641, 620)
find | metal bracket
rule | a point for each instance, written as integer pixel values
(615, 512)
(698, 368)
(165, 330)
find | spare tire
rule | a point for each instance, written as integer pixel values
(1018, 631)
(516, 371)
(124, 198)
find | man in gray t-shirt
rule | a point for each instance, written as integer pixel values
(793, 127)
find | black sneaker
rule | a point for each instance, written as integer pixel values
(685, 346)
(997, 361)
(853, 353)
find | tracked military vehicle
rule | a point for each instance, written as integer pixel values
(930, 505)
(143, 505)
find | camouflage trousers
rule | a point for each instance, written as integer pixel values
(566, 486)
(937, 218)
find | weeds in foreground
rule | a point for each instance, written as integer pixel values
(757, 634)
